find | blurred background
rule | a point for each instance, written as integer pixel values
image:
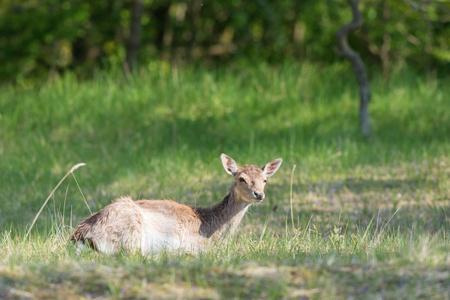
(256, 80)
(149, 93)
(38, 36)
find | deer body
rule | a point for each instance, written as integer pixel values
(151, 226)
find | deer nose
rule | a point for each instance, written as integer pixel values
(259, 196)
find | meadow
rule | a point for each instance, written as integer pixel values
(344, 218)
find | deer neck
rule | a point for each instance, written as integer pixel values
(224, 217)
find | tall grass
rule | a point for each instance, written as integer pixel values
(359, 218)
(367, 263)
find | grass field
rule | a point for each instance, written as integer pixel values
(371, 216)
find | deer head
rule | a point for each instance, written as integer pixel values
(249, 179)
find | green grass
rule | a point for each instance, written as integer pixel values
(371, 215)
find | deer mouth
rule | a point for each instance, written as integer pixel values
(250, 199)
(257, 200)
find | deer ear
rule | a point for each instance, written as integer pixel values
(272, 167)
(229, 164)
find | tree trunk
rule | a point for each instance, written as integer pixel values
(192, 15)
(358, 66)
(134, 41)
(160, 14)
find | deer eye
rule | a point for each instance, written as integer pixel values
(242, 180)
(265, 180)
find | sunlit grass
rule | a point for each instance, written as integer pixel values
(370, 215)
(294, 264)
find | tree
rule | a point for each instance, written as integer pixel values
(358, 66)
(134, 40)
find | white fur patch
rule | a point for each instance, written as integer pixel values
(106, 247)
(80, 247)
(159, 234)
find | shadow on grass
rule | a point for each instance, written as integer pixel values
(411, 204)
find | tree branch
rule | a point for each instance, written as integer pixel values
(358, 65)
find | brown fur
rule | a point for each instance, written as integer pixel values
(153, 225)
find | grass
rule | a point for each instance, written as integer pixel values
(370, 216)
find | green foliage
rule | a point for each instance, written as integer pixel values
(82, 36)
(37, 35)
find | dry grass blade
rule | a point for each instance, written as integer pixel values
(292, 208)
(51, 194)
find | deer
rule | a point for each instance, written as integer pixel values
(154, 226)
